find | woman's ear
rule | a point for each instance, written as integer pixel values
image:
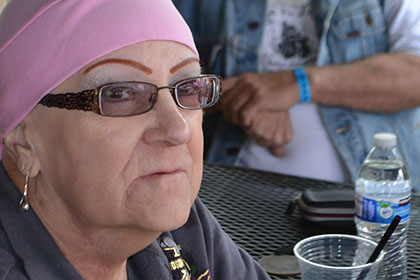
(21, 151)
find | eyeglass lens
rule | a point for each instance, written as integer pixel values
(196, 93)
(133, 98)
(125, 99)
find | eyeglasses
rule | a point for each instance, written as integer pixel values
(135, 98)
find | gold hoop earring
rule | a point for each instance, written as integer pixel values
(24, 202)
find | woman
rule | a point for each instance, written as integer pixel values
(100, 120)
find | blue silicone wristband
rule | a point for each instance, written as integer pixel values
(303, 83)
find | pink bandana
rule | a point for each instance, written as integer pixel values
(44, 42)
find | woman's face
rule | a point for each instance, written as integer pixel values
(136, 172)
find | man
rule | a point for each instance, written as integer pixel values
(360, 77)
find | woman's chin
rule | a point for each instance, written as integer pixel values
(168, 212)
(168, 222)
(178, 222)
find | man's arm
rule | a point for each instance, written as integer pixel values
(382, 83)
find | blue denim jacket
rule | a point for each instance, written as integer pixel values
(228, 35)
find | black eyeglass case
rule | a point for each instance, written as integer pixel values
(326, 205)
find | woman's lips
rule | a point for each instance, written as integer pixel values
(162, 173)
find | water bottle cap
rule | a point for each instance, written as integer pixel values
(385, 140)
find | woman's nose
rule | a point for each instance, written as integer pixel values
(170, 125)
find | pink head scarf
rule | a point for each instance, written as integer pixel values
(44, 42)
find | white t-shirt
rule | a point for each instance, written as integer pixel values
(290, 40)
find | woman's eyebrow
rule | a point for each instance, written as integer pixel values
(128, 62)
(183, 63)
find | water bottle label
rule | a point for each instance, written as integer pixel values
(382, 211)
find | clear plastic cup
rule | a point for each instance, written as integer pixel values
(336, 256)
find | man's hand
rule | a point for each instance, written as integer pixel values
(272, 130)
(245, 95)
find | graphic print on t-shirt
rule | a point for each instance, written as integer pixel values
(293, 43)
(180, 269)
(289, 37)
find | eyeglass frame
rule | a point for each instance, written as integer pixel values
(90, 99)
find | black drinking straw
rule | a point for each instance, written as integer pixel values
(391, 228)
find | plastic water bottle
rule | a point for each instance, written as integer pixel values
(383, 190)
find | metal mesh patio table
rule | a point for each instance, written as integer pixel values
(251, 207)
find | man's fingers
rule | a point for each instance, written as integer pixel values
(230, 92)
(238, 96)
(248, 112)
(229, 83)
(278, 151)
(264, 142)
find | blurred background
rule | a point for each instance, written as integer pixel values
(2, 4)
